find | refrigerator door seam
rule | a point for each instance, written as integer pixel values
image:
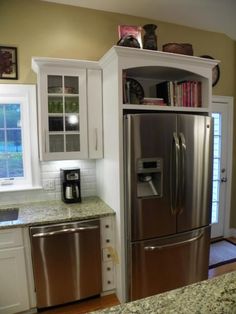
(183, 149)
(174, 173)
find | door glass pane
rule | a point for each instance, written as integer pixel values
(71, 85)
(55, 104)
(56, 143)
(55, 124)
(54, 84)
(72, 142)
(216, 167)
(72, 122)
(72, 104)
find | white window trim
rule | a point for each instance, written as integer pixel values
(26, 96)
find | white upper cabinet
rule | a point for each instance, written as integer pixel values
(156, 80)
(69, 109)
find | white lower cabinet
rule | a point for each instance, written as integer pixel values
(13, 278)
(108, 254)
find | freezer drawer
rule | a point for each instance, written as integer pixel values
(66, 262)
(167, 263)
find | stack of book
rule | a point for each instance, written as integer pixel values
(181, 94)
(153, 101)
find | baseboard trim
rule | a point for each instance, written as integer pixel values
(232, 232)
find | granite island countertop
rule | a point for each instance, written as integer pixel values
(213, 296)
(38, 213)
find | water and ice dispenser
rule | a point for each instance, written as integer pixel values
(149, 177)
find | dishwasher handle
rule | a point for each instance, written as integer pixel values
(63, 231)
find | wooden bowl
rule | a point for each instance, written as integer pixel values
(185, 49)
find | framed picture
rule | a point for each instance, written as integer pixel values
(8, 63)
(129, 30)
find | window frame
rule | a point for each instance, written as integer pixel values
(25, 95)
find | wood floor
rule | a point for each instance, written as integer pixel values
(87, 306)
(94, 304)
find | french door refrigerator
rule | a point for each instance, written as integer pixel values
(168, 188)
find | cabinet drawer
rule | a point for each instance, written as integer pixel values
(10, 238)
(107, 232)
(108, 276)
(106, 255)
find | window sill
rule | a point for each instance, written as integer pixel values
(15, 188)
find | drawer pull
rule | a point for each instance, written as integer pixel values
(106, 226)
(108, 255)
(109, 282)
(108, 268)
(107, 241)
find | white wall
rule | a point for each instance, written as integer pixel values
(51, 171)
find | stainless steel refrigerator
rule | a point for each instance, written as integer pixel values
(168, 188)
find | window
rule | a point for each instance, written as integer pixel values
(19, 165)
(216, 167)
(11, 155)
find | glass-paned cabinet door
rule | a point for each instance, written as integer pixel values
(66, 130)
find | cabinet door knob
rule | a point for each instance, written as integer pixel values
(107, 240)
(108, 255)
(108, 268)
(107, 226)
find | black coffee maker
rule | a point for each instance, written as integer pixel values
(70, 185)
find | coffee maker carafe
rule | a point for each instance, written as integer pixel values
(70, 185)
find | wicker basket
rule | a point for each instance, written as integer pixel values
(185, 49)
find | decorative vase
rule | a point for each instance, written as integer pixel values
(150, 38)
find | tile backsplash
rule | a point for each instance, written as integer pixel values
(50, 173)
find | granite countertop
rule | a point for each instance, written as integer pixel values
(216, 296)
(56, 211)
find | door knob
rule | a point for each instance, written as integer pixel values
(224, 179)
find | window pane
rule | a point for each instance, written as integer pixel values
(11, 157)
(215, 210)
(1, 117)
(2, 141)
(216, 169)
(13, 141)
(15, 165)
(217, 146)
(3, 167)
(12, 116)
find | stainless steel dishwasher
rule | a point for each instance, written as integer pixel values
(66, 262)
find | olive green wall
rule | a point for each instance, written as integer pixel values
(40, 28)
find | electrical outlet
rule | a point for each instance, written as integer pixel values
(49, 185)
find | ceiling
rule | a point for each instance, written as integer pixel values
(212, 15)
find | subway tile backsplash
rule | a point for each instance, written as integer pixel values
(50, 173)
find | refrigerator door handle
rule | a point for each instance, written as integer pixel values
(160, 247)
(174, 173)
(182, 143)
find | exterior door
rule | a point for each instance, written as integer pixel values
(222, 112)
(195, 138)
